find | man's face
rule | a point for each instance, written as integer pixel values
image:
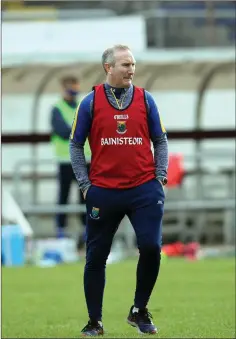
(72, 89)
(123, 70)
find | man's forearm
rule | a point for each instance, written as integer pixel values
(161, 155)
(79, 166)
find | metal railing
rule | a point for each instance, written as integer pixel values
(182, 207)
(198, 203)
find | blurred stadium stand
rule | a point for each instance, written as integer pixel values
(168, 23)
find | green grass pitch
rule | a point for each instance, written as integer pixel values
(190, 300)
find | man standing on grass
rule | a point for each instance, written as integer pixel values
(120, 120)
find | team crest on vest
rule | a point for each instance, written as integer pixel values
(121, 127)
(95, 213)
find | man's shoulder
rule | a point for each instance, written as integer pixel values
(146, 93)
(149, 97)
(59, 103)
(86, 100)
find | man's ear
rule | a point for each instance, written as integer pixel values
(107, 68)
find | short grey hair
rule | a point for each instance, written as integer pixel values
(108, 54)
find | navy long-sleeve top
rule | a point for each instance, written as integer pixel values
(83, 121)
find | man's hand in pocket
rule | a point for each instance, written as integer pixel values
(85, 193)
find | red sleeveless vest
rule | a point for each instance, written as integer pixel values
(120, 142)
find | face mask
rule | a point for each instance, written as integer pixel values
(72, 92)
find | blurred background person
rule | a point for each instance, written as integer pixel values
(62, 116)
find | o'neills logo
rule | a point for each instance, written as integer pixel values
(121, 117)
(121, 141)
